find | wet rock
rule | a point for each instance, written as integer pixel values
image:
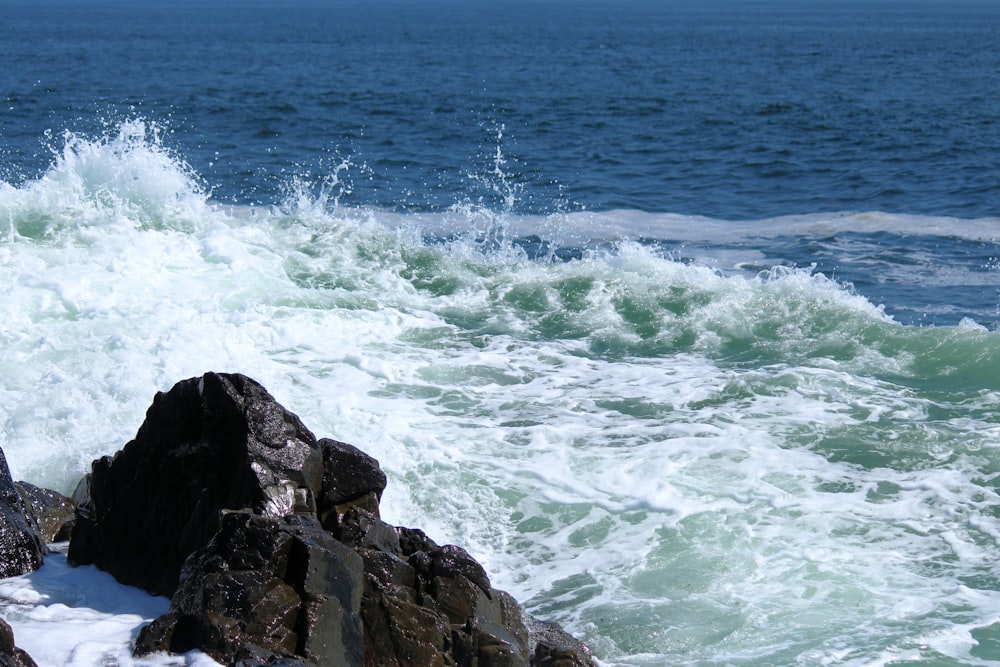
(554, 647)
(52, 513)
(218, 442)
(21, 548)
(351, 478)
(274, 551)
(361, 529)
(266, 591)
(11, 655)
(426, 604)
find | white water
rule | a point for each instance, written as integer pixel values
(681, 464)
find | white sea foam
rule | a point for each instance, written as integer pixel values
(80, 616)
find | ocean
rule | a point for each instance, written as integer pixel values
(682, 317)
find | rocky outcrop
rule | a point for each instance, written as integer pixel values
(11, 655)
(214, 443)
(273, 548)
(351, 478)
(52, 514)
(426, 604)
(268, 588)
(21, 549)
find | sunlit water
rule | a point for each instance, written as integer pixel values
(686, 451)
(682, 318)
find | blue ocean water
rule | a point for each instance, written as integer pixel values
(728, 109)
(680, 316)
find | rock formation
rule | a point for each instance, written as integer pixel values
(266, 587)
(273, 549)
(52, 514)
(218, 442)
(21, 549)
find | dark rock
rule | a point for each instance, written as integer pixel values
(53, 513)
(551, 646)
(211, 443)
(360, 529)
(11, 655)
(265, 591)
(399, 632)
(274, 550)
(450, 621)
(412, 540)
(451, 561)
(21, 548)
(254, 656)
(351, 478)
(426, 604)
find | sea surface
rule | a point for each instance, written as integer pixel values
(682, 317)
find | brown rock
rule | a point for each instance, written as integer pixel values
(53, 513)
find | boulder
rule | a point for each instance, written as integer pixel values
(272, 547)
(21, 548)
(426, 604)
(218, 442)
(551, 646)
(53, 513)
(11, 655)
(351, 478)
(266, 590)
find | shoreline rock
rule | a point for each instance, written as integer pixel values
(21, 548)
(52, 514)
(214, 443)
(271, 546)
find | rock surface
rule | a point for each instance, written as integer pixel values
(10, 655)
(351, 478)
(430, 605)
(52, 513)
(273, 548)
(21, 548)
(209, 444)
(279, 587)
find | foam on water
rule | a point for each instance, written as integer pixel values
(682, 462)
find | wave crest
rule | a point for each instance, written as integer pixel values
(126, 177)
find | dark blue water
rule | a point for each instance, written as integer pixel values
(734, 110)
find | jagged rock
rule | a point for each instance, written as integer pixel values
(359, 529)
(21, 548)
(211, 443)
(11, 655)
(53, 513)
(273, 548)
(426, 604)
(266, 591)
(351, 478)
(554, 647)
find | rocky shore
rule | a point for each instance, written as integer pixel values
(270, 545)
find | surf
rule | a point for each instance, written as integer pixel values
(668, 433)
